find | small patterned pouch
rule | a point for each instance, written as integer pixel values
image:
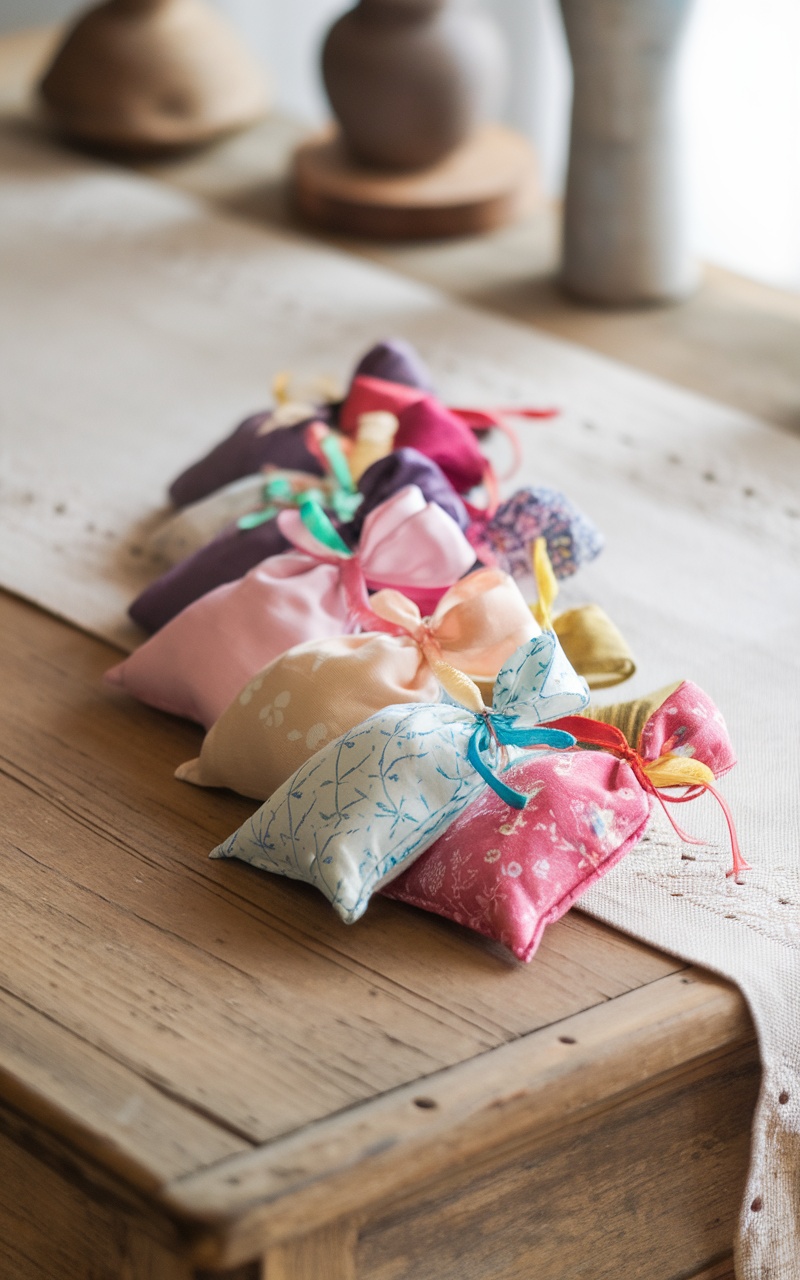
(236, 550)
(370, 802)
(509, 874)
(318, 691)
(506, 538)
(197, 664)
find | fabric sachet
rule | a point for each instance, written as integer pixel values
(423, 423)
(196, 664)
(395, 360)
(320, 690)
(506, 537)
(370, 802)
(257, 442)
(236, 550)
(508, 874)
(195, 525)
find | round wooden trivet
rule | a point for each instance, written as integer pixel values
(486, 182)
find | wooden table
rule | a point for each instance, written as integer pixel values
(194, 1082)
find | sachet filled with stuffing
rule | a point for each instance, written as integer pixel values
(256, 499)
(593, 644)
(320, 690)
(505, 537)
(196, 664)
(362, 808)
(261, 440)
(507, 874)
(257, 535)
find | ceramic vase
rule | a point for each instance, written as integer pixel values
(409, 80)
(152, 75)
(626, 236)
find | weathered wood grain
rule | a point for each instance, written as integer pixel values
(63, 1219)
(238, 995)
(329, 1254)
(547, 1082)
(648, 1188)
(128, 1125)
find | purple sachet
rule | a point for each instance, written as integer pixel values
(235, 551)
(506, 539)
(251, 446)
(394, 360)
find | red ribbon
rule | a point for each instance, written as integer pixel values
(594, 733)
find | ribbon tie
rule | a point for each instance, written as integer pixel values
(477, 624)
(406, 543)
(340, 493)
(669, 770)
(492, 733)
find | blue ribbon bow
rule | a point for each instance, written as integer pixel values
(497, 726)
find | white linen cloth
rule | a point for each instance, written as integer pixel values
(137, 328)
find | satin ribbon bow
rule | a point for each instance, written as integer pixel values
(340, 493)
(669, 770)
(477, 624)
(495, 730)
(405, 542)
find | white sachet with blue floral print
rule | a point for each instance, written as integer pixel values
(361, 809)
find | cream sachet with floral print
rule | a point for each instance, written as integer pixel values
(319, 690)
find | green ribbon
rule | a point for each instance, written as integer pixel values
(344, 500)
(319, 525)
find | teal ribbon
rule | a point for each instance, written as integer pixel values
(498, 726)
(345, 499)
(319, 525)
(278, 493)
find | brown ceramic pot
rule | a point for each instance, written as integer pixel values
(409, 80)
(152, 74)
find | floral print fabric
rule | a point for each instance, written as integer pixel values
(507, 537)
(197, 664)
(509, 874)
(366, 805)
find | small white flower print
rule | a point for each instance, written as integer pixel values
(247, 693)
(492, 855)
(512, 869)
(272, 713)
(541, 868)
(316, 736)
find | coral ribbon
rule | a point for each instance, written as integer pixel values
(480, 621)
(667, 771)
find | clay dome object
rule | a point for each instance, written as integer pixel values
(152, 75)
(409, 80)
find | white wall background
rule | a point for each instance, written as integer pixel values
(741, 99)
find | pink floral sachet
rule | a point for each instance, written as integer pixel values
(508, 874)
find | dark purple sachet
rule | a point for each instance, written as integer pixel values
(395, 471)
(244, 452)
(395, 361)
(227, 557)
(235, 551)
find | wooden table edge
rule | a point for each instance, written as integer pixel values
(554, 1077)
